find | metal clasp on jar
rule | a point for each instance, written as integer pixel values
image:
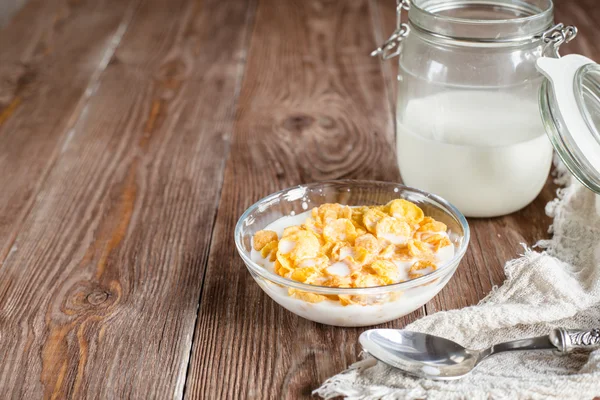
(556, 36)
(391, 47)
(553, 38)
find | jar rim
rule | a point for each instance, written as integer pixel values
(517, 20)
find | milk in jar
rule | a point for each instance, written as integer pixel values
(484, 151)
(468, 121)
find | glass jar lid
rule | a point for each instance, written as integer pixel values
(570, 108)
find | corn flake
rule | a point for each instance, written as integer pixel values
(290, 230)
(394, 230)
(437, 241)
(432, 226)
(372, 217)
(270, 250)
(328, 212)
(306, 274)
(401, 208)
(369, 280)
(306, 296)
(262, 238)
(418, 249)
(386, 270)
(339, 230)
(388, 251)
(421, 268)
(306, 245)
(368, 242)
(349, 300)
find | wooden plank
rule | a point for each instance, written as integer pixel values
(584, 14)
(50, 58)
(98, 298)
(8, 8)
(312, 107)
(31, 25)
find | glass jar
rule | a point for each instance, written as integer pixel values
(468, 124)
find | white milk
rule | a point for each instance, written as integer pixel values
(332, 312)
(486, 152)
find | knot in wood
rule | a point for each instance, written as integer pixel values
(298, 123)
(97, 297)
(326, 122)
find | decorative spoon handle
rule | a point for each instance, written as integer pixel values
(567, 340)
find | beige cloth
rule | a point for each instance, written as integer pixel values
(559, 286)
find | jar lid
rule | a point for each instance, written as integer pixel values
(570, 107)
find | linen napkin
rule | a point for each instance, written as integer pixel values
(558, 286)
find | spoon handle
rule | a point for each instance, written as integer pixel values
(535, 343)
(567, 340)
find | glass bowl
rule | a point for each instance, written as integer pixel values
(383, 303)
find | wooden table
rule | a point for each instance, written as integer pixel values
(132, 136)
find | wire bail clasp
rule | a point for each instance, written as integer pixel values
(391, 47)
(556, 36)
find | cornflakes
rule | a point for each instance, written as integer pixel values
(416, 248)
(428, 266)
(343, 247)
(306, 245)
(401, 208)
(262, 238)
(368, 242)
(372, 217)
(386, 270)
(394, 230)
(270, 250)
(339, 230)
(432, 226)
(437, 241)
(306, 296)
(306, 274)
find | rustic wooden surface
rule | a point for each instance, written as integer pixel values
(133, 133)
(8, 8)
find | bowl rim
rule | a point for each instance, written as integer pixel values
(274, 278)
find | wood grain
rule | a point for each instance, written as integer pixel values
(98, 297)
(50, 58)
(312, 107)
(8, 8)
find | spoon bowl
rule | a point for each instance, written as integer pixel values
(434, 357)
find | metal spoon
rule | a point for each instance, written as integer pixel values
(437, 358)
